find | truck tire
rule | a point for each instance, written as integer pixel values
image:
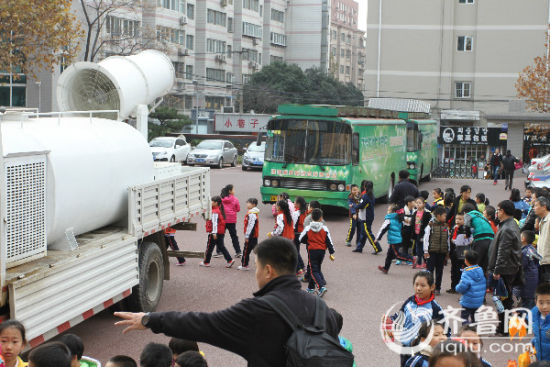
(146, 295)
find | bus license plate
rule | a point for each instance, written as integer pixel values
(273, 198)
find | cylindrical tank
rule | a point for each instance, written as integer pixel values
(90, 165)
(116, 83)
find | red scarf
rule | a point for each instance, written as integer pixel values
(421, 302)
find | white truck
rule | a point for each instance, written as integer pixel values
(82, 205)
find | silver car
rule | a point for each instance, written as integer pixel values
(213, 153)
(254, 156)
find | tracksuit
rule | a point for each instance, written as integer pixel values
(298, 217)
(419, 223)
(216, 226)
(251, 232)
(170, 240)
(436, 244)
(283, 228)
(317, 237)
(352, 202)
(460, 242)
(365, 217)
(392, 225)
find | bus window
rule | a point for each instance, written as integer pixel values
(412, 137)
(355, 149)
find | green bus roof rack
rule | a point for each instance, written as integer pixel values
(348, 111)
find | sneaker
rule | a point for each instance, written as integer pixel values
(397, 262)
(300, 273)
(217, 255)
(229, 264)
(181, 263)
(322, 291)
(357, 250)
(382, 269)
(348, 244)
(310, 291)
(408, 263)
(304, 279)
(437, 292)
(376, 252)
(415, 266)
(238, 254)
(494, 182)
(206, 265)
(451, 291)
(243, 268)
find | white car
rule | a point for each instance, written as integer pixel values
(539, 172)
(170, 149)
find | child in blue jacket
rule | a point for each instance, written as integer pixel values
(541, 322)
(392, 224)
(530, 263)
(472, 286)
(353, 199)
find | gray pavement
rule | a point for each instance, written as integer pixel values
(355, 287)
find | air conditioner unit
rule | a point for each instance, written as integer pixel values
(220, 58)
(183, 51)
(183, 20)
(223, 3)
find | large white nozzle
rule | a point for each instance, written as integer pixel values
(116, 83)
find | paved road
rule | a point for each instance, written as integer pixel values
(355, 287)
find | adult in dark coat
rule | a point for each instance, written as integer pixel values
(460, 201)
(250, 328)
(403, 189)
(509, 166)
(496, 162)
(505, 254)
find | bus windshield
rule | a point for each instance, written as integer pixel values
(309, 141)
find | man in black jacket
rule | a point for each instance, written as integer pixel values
(460, 201)
(249, 328)
(509, 166)
(505, 253)
(496, 160)
(403, 189)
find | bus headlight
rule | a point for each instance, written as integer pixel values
(275, 183)
(411, 165)
(341, 187)
(333, 187)
(267, 182)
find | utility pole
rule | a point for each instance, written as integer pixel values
(196, 83)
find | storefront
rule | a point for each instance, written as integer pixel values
(536, 140)
(463, 149)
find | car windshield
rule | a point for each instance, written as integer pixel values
(253, 147)
(210, 145)
(309, 142)
(161, 143)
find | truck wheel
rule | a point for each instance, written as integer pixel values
(146, 295)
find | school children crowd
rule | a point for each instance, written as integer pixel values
(68, 351)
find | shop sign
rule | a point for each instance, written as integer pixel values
(464, 135)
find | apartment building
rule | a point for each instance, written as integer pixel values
(347, 43)
(462, 56)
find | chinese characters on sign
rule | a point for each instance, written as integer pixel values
(245, 123)
(464, 135)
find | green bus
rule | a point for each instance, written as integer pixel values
(318, 151)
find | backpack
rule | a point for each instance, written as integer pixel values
(310, 346)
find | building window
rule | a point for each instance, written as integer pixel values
(277, 15)
(188, 102)
(251, 4)
(342, 52)
(229, 78)
(343, 37)
(333, 51)
(13, 95)
(190, 11)
(179, 68)
(349, 39)
(177, 5)
(250, 55)
(189, 72)
(466, 1)
(252, 30)
(347, 70)
(190, 41)
(335, 35)
(216, 17)
(463, 89)
(342, 69)
(229, 51)
(215, 46)
(278, 39)
(170, 35)
(121, 27)
(348, 54)
(216, 75)
(274, 59)
(246, 78)
(215, 103)
(230, 25)
(465, 43)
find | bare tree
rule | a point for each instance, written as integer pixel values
(120, 40)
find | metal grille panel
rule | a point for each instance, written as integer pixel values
(304, 184)
(25, 195)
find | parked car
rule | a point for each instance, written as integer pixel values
(213, 153)
(172, 149)
(539, 172)
(254, 156)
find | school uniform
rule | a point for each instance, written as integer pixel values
(352, 202)
(216, 226)
(365, 217)
(317, 237)
(436, 244)
(407, 217)
(298, 217)
(419, 223)
(283, 227)
(251, 233)
(170, 241)
(392, 225)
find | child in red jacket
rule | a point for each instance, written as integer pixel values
(317, 237)
(215, 227)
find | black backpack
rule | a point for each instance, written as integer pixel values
(310, 346)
